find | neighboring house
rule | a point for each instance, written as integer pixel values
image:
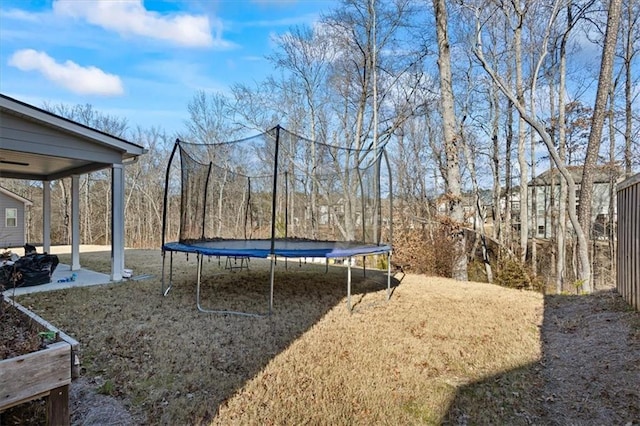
(512, 197)
(544, 192)
(469, 206)
(12, 219)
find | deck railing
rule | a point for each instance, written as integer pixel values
(628, 259)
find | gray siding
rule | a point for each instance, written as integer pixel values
(543, 211)
(11, 237)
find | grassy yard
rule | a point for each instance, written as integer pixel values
(439, 351)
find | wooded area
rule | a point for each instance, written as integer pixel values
(471, 103)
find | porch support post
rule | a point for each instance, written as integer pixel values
(117, 222)
(46, 216)
(75, 222)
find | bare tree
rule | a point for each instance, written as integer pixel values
(451, 140)
(630, 38)
(540, 128)
(307, 53)
(597, 123)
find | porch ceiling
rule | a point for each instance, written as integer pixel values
(38, 145)
(20, 165)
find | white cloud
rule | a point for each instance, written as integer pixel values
(280, 22)
(129, 17)
(19, 15)
(81, 80)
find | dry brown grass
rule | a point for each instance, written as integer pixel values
(399, 363)
(439, 352)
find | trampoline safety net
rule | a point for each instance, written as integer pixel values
(278, 185)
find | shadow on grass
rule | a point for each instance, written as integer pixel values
(588, 373)
(172, 364)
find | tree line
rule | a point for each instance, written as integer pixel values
(464, 96)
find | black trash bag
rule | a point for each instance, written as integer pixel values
(6, 276)
(34, 269)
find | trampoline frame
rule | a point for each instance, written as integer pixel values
(200, 254)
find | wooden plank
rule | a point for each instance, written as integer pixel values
(32, 374)
(630, 181)
(628, 268)
(635, 208)
(58, 406)
(75, 345)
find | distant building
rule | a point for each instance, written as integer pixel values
(469, 206)
(511, 197)
(12, 219)
(544, 192)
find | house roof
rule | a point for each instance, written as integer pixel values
(15, 196)
(38, 145)
(601, 174)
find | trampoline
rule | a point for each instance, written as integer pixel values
(282, 248)
(275, 195)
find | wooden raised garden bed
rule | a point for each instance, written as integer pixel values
(43, 373)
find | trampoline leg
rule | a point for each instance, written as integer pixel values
(364, 266)
(273, 261)
(349, 284)
(388, 276)
(162, 280)
(199, 262)
(166, 291)
(198, 280)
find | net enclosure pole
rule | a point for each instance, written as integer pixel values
(273, 216)
(275, 191)
(166, 192)
(204, 208)
(164, 215)
(247, 209)
(390, 195)
(286, 204)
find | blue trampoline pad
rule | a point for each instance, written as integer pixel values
(283, 247)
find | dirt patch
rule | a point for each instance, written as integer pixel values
(591, 359)
(90, 408)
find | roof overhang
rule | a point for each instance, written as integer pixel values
(38, 145)
(12, 194)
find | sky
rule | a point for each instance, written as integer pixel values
(142, 60)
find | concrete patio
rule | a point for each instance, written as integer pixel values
(84, 278)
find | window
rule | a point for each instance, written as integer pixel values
(11, 218)
(541, 229)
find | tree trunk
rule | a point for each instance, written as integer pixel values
(595, 136)
(522, 160)
(479, 216)
(629, 53)
(613, 177)
(562, 151)
(453, 190)
(495, 164)
(508, 214)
